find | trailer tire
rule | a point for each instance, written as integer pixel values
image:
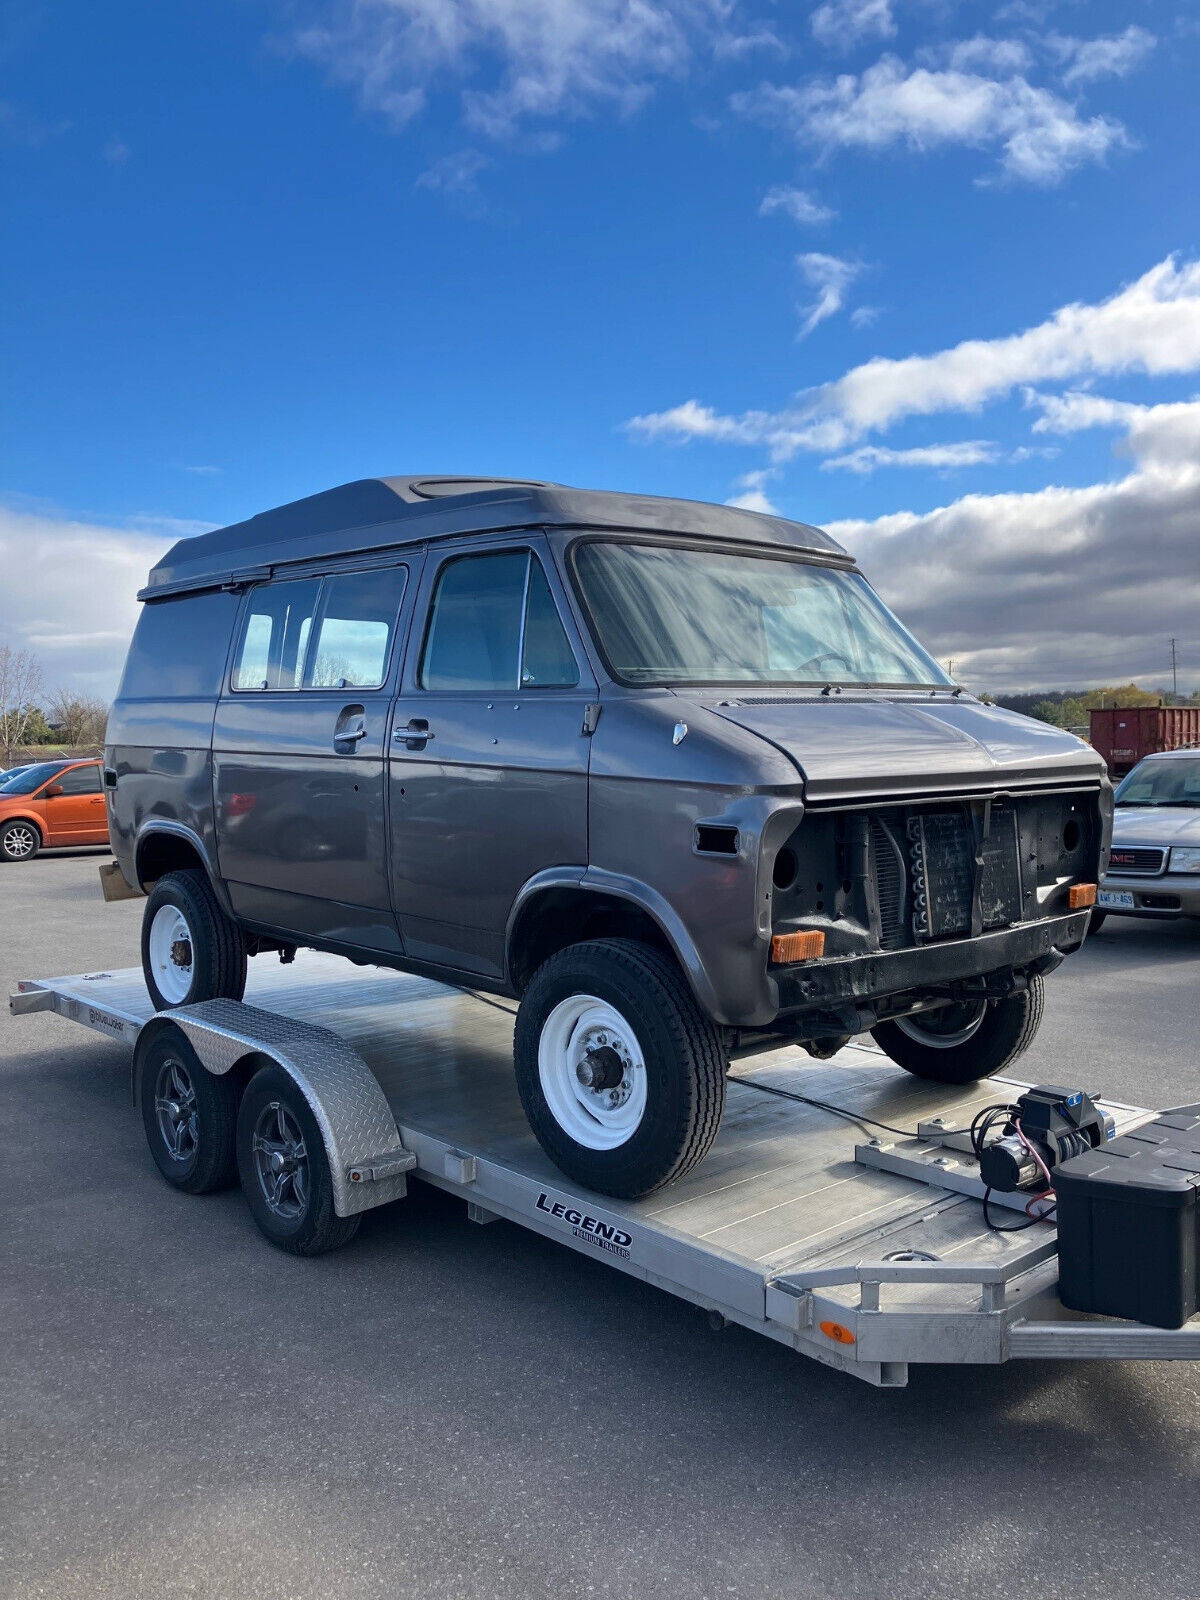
(623, 1011)
(961, 1044)
(190, 949)
(1096, 921)
(284, 1169)
(189, 1116)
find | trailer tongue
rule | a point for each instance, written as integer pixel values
(866, 1249)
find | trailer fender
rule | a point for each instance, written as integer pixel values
(367, 1158)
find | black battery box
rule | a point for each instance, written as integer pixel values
(1129, 1223)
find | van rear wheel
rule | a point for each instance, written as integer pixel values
(960, 1042)
(621, 1074)
(190, 949)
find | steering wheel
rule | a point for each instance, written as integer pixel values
(825, 655)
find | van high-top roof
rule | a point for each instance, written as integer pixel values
(385, 513)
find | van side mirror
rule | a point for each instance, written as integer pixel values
(53, 791)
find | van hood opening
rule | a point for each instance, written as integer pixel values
(866, 745)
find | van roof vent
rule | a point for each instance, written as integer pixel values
(442, 488)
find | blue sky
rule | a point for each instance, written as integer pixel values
(679, 246)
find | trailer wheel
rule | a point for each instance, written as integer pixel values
(284, 1171)
(190, 949)
(960, 1043)
(19, 840)
(621, 1074)
(189, 1116)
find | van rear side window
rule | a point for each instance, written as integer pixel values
(179, 648)
(275, 635)
(354, 633)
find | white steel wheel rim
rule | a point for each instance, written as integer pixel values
(579, 1033)
(18, 841)
(943, 1038)
(172, 954)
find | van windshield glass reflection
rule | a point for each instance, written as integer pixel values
(668, 615)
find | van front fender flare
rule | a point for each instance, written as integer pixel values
(596, 880)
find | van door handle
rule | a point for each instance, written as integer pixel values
(416, 736)
(350, 729)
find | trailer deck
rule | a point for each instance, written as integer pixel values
(865, 1247)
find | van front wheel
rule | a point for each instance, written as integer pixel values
(621, 1074)
(190, 949)
(963, 1042)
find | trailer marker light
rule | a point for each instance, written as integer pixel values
(1081, 895)
(837, 1332)
(807, 945)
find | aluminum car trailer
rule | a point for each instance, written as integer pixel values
(865, 1247)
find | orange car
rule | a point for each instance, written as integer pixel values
(53, 803)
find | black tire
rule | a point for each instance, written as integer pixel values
(189, 1116)
(683, 1056)
(19, 840)
(215, 944)
(301, 1219)
(1004, 1031)
(1096, 921)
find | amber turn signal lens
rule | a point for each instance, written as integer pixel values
(838, 1332)
(804, 946)
(1081, 895)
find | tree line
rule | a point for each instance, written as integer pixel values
(1069, 708)
(32, 715)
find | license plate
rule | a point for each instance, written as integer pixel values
(1115, 899)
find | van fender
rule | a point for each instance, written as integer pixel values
(180, 830)
(367, 1158)
(647, 899)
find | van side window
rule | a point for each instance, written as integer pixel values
(548, 661)
(494, 625)
(475, 628)
(80, 780)
(179, 647)
(275, 635)
(354, 629)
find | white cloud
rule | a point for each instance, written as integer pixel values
(69, 592)
(752, 496)
(1151, 326)
(456, 173)
(868, 457)
(1079, 409)
(540, 58)
(842, 24)
(981, 54)
(735, 46)
(1040, 136)
(829, 277)
(1061, 586)
(795, 203)
(1112, 56)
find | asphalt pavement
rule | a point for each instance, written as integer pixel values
(448, 1410)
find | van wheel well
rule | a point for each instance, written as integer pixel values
(160, 853)
(556, 918)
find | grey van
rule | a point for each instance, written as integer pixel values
(668, 774)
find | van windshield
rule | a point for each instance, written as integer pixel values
(669, 615)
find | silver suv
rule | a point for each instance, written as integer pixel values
(1154, 866)
(670, 774)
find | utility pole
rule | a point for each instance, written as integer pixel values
(1174, 673)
